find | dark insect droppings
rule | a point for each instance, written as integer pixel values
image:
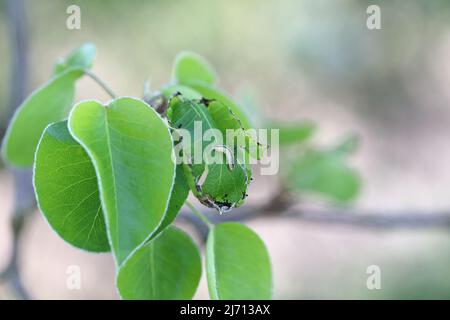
(205, 101)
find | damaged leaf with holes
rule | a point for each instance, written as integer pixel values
(220, 180)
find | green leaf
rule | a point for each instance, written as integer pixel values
(225, 184)
(237, 264)
(348, 145)
(183, 114)
(179, 195)
(168, 267)
(131, 148)
(212, 93)
(293, 133)
(48, 104)
(66, 190)
(225, 120)
(82, 58)
(223, 116)
(186, 92)
(192, 68)
(325, 173)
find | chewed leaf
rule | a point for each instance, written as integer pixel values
(67, 191)
(131, 148)
(225, 187)
(217, 178)
(237, 264)
(82, 58)
(191, 68)
(48, 104)
(211, 93)
(187, 115)
(227, 122)
(168, 267)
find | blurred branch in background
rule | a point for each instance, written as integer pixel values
(281, 206)
(24, 202)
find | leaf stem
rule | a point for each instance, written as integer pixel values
(199, 215)
(100, 83)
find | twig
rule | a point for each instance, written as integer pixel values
(373, 220)
(100, 82)
(201, 228)
(199, 215)
(377, 221)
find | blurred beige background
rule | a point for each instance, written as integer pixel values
(302, 60)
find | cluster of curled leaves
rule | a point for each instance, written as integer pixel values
(105, 180)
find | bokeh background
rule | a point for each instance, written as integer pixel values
(297, 60)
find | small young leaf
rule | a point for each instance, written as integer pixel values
(293, 133)
(48, 104)
(226, 187)
(132, 149)
(324, 172)
(237, 264)
(66, 190)
(82, 58)
(192, 68)
(167, 267)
